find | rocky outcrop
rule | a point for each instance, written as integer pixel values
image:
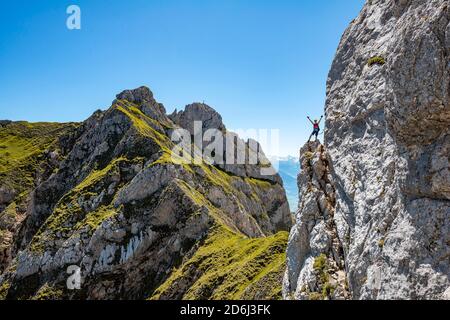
(209, 118)
(315, 256)
(4, 123)
(238, 157)
(143, 97)
(28, 155)
(119, 207)
(388, 143)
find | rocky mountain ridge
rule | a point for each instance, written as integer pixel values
(107, 197)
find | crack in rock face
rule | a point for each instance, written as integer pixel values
(388, 140)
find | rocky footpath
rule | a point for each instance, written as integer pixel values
(114, 203)
(388, 144)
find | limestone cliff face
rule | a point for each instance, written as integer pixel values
(315, 256)
(106, 196)
(388, 144)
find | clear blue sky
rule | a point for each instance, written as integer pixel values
(261, 64)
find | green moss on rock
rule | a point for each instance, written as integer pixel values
(70, 215)
(95, 218)
(144, 124)
(4, 288)
(320, 263)
(326, 289)
(48, 292)
(376, 60)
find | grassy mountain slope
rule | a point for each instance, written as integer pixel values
(23, 147)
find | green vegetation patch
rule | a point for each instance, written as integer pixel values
(70, 215)
(4, 288)
(144, 124)
(66, 220)
(309, 155)
(47, 292)
(21, 141)
(230, 266)
(261, 184)
(95, 218)
(8, 215)
(326, 289)
(376, 60)
(97, 176)
(200, 200)
(22, 148)
(220, 179)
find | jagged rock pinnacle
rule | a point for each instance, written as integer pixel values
(140, 95)
(144, 99)
(209, 117)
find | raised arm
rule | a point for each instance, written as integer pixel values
(310, 120)
(320, 119)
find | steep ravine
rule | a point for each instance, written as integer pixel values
(387, 141)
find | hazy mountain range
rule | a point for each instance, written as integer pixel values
(289, 168)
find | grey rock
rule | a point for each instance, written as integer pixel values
(314, 235)
(387, 137)
(144, 99)
(239, 157)
(210, 118)
(4, 123)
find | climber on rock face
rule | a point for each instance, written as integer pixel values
(316, 130)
